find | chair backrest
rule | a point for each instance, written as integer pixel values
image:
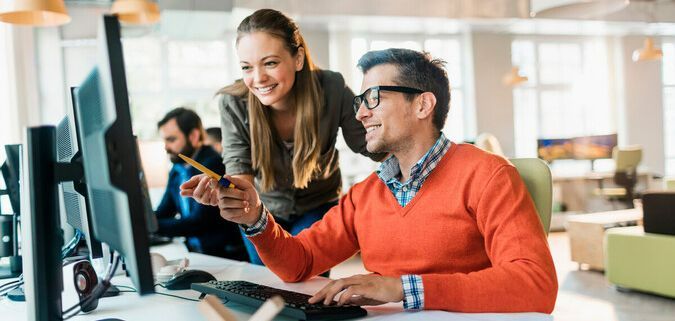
(489, 143)
(627, 159)
(537, 177)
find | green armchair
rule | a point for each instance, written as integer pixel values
(537, 177)
(640, 261)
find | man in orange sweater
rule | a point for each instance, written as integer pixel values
(440, 225)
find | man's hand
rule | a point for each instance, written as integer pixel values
(367, 289)
(201, 189)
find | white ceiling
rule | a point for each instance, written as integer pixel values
(211, 18)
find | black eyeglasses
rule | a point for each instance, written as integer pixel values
(371, 97)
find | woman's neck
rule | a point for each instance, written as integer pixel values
(284, 123)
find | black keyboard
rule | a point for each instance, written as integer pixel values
(296, 303)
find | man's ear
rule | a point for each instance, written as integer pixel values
(300, 59)
(426, 105)
(195, 137)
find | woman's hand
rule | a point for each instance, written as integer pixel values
(241, 204)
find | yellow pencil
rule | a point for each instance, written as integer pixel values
(221, 180)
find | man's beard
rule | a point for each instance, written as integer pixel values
(188, 151)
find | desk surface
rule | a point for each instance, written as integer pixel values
(627, 215)
(130, 306)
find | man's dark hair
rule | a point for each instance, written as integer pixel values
(186, 119)
(215, 133)
(417, 70)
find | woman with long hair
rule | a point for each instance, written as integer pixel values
(280, 125)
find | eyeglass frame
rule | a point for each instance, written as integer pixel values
(401, 89)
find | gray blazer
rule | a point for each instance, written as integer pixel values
(285, 201)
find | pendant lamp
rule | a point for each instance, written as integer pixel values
(513, 78)
(648, 51)
(43, 13)
(137, 12)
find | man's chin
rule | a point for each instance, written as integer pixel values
(374, 148)
(175, 159)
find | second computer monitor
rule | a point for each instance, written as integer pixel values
(74, 193)
(11, 170)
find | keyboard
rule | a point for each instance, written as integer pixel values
(296, 307)
(155, 239)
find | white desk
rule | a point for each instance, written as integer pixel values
(131, 307)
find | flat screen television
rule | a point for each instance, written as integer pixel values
(581, 148)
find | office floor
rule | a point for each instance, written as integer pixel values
(582, 295)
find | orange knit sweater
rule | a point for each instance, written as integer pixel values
(471, 232)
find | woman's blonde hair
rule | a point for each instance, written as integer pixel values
(305, 96)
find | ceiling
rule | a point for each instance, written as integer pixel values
(656, 17)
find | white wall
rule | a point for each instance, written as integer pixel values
(641, 116)
(25, 73)
(491, 55)
(318, 43)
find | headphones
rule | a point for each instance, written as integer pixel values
(85, 279)
(164, 270)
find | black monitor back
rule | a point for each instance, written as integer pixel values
(111, 165)
(11, 172)
(74, 193)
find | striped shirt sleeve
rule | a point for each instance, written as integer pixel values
(413, 292)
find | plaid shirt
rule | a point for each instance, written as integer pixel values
(390, 172)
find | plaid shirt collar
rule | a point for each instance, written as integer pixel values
(390, 170)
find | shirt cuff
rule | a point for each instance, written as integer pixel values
(413, 292)
(259, 226)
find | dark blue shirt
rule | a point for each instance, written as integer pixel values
(205, 230)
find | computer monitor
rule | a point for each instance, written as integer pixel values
(11, 170)
(580, 148)
(111, 165)
(111, 168)
(553, 149)
(74, 193)
(594, 147)
(9, 224)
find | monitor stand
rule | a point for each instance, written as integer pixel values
(17, 295)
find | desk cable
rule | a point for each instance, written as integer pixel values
(98, 291)
(65, 251)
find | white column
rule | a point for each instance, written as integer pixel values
(641, 116)
(494, 101)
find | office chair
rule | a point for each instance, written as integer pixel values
(489, 143)
(537, 177)
(627, 160)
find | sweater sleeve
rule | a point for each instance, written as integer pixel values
(522, 277)
(236, 140)
(314, 250)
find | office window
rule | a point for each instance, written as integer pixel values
(668, 68)
(566, 95)
(444, 48)
(5, 103)
(164, 74)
